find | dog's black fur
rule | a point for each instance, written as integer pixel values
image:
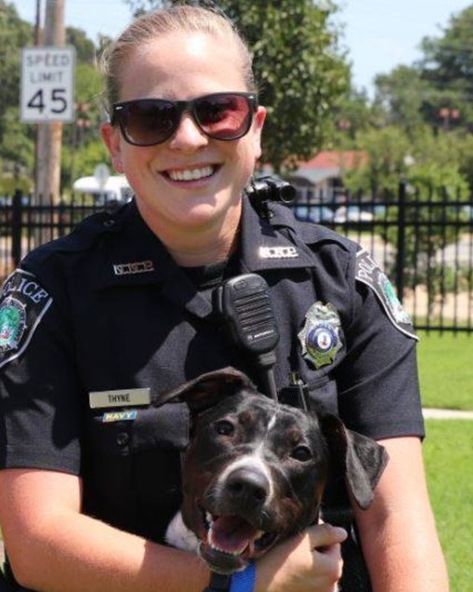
(255, 470)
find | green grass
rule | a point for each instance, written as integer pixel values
(446, 370)
(447, 451)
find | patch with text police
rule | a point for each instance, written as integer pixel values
(23, 303)
(321, 337)
(368, 272)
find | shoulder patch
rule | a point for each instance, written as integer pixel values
(23, 303)
(369, 273)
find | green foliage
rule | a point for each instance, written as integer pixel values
(299, 68)
(85, 48)
(14, 34)
(401, 95)
(80, 161)
(447, 452)
(447, 66)
(386, 149)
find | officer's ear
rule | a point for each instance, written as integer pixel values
(208, 389)
(358, 458)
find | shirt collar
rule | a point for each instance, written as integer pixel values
(272, 244)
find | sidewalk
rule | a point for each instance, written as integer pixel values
(447, 414)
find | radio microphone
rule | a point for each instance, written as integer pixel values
(245, 305)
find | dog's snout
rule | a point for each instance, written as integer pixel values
(248, 485)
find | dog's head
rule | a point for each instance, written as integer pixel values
(255, 470)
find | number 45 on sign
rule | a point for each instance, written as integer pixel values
(47, 84)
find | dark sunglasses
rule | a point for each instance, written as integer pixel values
(221, 116)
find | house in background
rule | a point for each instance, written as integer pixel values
(321, 178)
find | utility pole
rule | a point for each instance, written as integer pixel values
(48, 166)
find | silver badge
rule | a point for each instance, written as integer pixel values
(320, 337)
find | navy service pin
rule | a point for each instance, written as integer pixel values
(320, 337)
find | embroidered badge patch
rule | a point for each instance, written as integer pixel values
(23, 303)
(368, 272)
(320, 337)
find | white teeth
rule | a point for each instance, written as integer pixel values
(191, 174)
(212, 544)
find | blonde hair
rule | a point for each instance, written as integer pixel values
(192, 19)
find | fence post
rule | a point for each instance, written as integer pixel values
(16, 227)
(401, 239)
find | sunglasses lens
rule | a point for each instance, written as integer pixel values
(148, 122)
(223, 117)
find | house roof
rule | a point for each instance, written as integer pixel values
(334, 159)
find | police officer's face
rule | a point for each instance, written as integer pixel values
(190, 181)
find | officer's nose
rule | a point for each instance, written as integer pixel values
(188, 135)
(247, 486)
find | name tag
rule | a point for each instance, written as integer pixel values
(121, 398)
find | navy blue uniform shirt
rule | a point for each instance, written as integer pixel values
(95, 325)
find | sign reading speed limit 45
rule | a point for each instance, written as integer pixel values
(47, 84)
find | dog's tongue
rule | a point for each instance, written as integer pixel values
(231, 534)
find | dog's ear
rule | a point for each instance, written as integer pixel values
(360, 459)
(208, 389)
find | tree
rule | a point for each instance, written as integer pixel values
(14, 34)
(401, 96)
(298, 66)
(379, 174)
(448, 67)
(85, 48)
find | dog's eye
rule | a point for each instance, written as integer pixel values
(301, 453)
(224, 428)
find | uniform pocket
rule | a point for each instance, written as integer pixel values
(136, 468)
(323, 394)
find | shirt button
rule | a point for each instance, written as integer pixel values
(109, 223)
(123, 439)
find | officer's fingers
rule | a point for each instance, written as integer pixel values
(325, 535)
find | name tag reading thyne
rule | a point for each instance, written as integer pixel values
(121, 398)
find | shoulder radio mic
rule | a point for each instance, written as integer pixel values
(245, 305)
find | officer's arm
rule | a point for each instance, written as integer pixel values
(51, 546)
(398, 532)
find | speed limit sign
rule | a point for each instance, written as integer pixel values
(47, 84)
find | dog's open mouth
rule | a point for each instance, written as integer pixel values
(232, 541)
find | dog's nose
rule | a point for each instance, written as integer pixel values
(247, 486)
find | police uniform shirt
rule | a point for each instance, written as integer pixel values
(94, 326)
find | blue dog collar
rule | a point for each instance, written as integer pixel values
(244, 581)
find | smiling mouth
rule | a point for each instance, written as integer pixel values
(191, 174)
(232, 541)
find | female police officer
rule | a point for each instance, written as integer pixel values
(94, 326)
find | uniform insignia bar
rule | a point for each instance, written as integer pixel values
(320, 337)
(133, 268)
(278, 253)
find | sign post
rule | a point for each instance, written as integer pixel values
(47, 85)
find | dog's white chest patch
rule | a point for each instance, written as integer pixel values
(179, 536)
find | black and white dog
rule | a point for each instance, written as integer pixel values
(255, 470)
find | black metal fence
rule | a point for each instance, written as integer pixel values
(424, 241)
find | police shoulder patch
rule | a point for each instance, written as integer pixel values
(368, 272)
(23, 303)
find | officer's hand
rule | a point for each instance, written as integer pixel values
(308, 562)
